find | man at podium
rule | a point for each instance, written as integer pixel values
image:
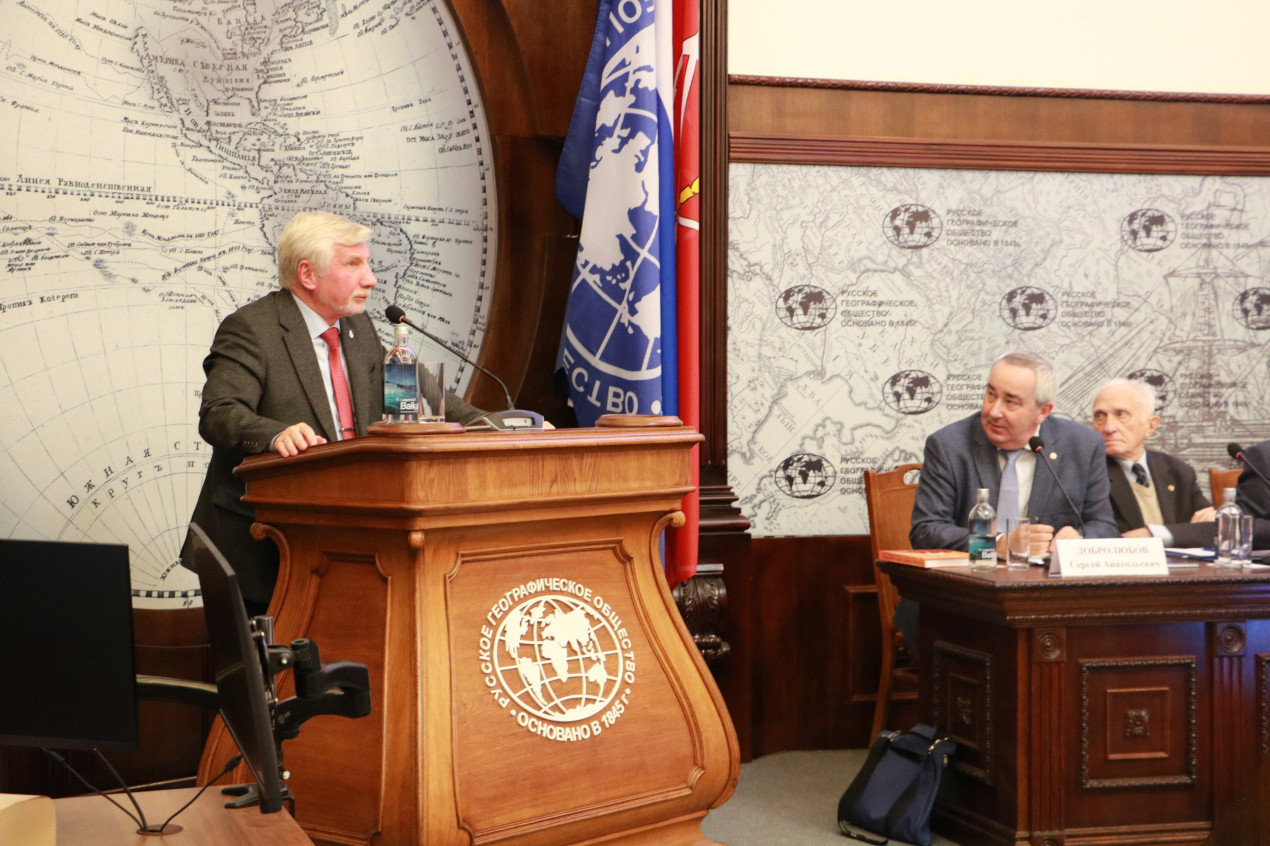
(300, 366)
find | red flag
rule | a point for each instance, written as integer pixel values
(682, 551)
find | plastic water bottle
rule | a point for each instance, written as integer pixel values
(401, 379)
(983, 533)
(1227, 520)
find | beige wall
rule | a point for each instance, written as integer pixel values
(1164, 45)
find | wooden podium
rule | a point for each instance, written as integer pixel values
(532, 682)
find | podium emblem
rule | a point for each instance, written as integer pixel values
(561, 664)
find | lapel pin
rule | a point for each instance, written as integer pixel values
(1053, 455)
(1171, 487)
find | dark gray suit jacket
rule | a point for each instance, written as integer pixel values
(959, 459)
(263, 376)
(1179, 495)
(1253, 493)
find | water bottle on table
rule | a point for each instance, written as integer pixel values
(983, 533)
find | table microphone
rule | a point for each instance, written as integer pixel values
(1236, 452)
(1038, 446)
(512, 418)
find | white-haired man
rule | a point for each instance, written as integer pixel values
(300, 366)
(1152, 493)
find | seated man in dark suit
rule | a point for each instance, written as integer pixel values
(1152, 494)
(1253, 492)
(989, 450)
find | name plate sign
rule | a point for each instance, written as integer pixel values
(1076, 557)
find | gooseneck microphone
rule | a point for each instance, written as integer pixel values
(512, 417)
(396, 314)
(1038, 446)
(1236, 452)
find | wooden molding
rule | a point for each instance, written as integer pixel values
(714, 234)
(998, 155)
(999, 90)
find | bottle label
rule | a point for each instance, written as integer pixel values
(401, 392)
(983, 548)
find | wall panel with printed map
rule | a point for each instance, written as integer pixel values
(866, 304)
(151, 152)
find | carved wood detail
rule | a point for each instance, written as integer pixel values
(1231, 639)
(1263, 705)
(1089, 702)
(961, 693)
(1049, 645)
(703, 603)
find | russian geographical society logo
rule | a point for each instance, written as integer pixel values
(912, 227)
(1252, 309)
(912, 392)
(805, 476)
(1159, 380)
(557, 658)
(1148, 230)
(1027, 308)
(806, 307)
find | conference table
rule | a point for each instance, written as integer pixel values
(1133, 709)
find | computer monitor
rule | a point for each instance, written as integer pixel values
(66, 646)
(238, 654)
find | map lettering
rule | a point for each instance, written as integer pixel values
(139, 273)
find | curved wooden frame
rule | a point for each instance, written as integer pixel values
(527, 66)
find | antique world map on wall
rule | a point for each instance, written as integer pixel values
(866, 305)
(150, 152)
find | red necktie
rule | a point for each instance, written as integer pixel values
(343, 401)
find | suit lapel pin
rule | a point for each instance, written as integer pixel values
(1170, 488)
(1053, 455)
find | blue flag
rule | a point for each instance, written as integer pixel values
(616, 173)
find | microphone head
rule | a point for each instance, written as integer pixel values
(1234, 451)
(1035, 444)
(395, 313)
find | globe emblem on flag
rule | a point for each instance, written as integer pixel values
(912, 392)
(1159, 380)
(1028, 309)
(805, 476)
(612, 344)
(557, 658)
(912, 226)
(1252, 308)
(806, 307)
(1148, 230)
